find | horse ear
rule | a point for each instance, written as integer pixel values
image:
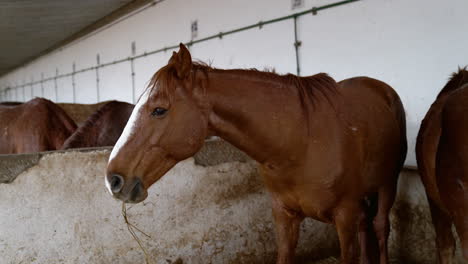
(182, 61)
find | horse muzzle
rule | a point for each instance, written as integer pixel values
(131, 191)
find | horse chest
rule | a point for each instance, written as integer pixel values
(313, 193)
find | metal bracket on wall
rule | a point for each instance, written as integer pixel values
(42, 84)
(24, 94)
(297, 44)
(98, 63)
(132, 66)
(55, 84)
(32, 88)
(73, 82)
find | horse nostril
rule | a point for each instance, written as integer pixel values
(116, 183)
(137, 189)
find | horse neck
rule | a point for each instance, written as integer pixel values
(262, 117)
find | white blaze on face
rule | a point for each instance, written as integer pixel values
(128, 130)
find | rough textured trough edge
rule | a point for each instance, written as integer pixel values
(213, 152)
(12, 165)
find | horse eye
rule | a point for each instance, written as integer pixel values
(158, 111)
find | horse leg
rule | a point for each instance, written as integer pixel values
(367, 239)
(461, 224)
(347, 219)
(460, 219)
(364, 238)
(444, 236)
(386, 197)
(287, 231)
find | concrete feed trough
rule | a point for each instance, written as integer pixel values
(212, 208)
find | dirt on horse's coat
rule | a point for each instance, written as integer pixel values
(328, 151)
(442, 156)
(37, 125)
(102, 128)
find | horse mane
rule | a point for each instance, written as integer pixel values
(308, 87)
(457, 80)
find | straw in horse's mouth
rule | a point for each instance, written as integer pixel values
(131, 228)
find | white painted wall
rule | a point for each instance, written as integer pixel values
(412, 45)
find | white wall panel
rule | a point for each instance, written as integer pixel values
(116, 82)
(412, 45)
(86, 87)
(49, 90)
(65, 90)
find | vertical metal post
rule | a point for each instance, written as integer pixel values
(32, 88)
(132, 65)
(98, 61)
(16, 94)
(55, 85)
(24, 92)
(42, 84)
(297, 44)
(73, 82)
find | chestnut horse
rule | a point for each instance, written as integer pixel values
(37, 125)
(325, 151)
(102, 128)
(442, 155)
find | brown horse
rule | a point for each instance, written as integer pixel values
(103, 128)
(326, 151)
(37, 125)
(442, 155)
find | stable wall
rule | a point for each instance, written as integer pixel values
(412, 45)
(212, 208)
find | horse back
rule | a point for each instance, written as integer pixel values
(365, 137)
(38, 125)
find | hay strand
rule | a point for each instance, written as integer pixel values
(131, 228)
